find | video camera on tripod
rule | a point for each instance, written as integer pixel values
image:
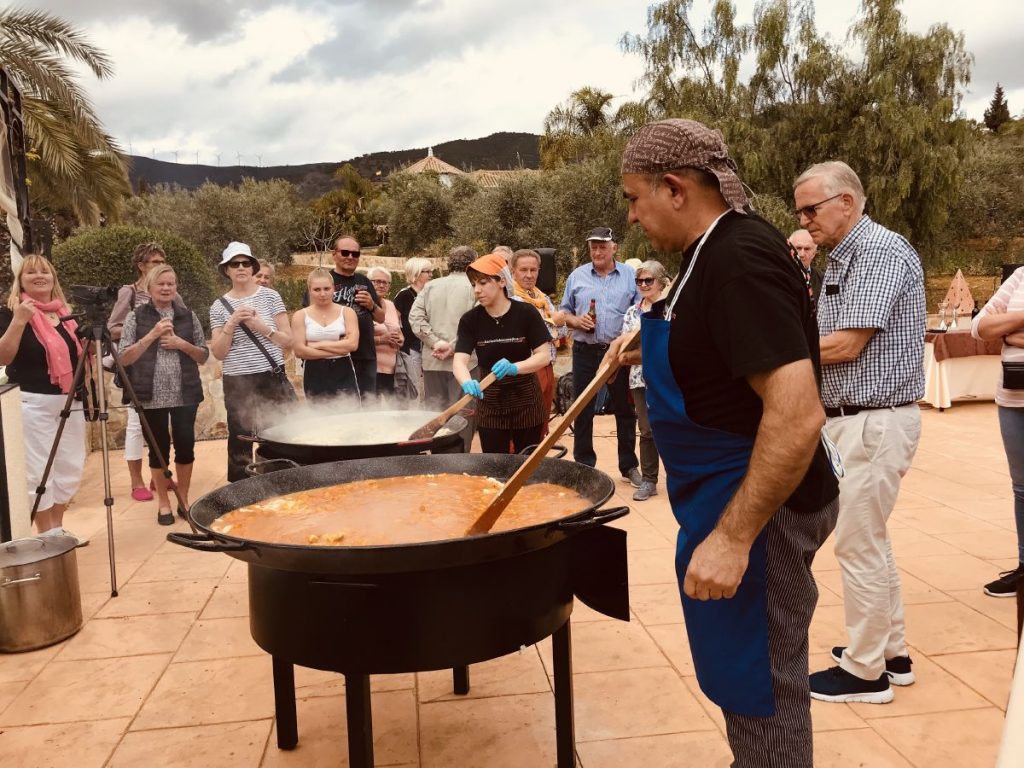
(94, 304)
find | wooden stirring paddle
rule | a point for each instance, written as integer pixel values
(489, 516)
(428, 429)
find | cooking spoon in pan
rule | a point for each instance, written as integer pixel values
(490, 515)
(428, 429)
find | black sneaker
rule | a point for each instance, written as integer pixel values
(897, 668)
(633, 477)
(836, 684)
(1006, 584)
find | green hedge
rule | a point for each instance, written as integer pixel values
(103, 256)
(292, 288)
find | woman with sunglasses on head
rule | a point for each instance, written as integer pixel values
(41, 351)
(511, 341)
(387, 336)
(651, 280)
(145, 257)
(250, 332)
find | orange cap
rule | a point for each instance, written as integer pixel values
(490, 264)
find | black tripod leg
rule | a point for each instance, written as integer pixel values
(78, 380)
(146, 431)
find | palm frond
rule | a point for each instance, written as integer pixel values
(55, 34)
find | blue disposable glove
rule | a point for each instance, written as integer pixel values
(504, 368)
(472, 387)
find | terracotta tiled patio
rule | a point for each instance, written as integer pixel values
(167, 674)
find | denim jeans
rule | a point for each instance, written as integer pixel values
(1011, 426)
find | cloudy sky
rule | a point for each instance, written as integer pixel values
(296, 81)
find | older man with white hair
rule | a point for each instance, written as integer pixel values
(871, 317)
(804, 250)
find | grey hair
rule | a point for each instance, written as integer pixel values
(656, 270)
(460, 257)
(836, 177)
(414, 266)
(523, 253)
(374, 270)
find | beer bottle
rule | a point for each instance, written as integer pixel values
(592, 311)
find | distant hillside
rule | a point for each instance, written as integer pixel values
(498, 151)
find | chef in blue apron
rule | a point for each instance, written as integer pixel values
(730, 361)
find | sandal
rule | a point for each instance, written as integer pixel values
(142, 494)
(165, 517)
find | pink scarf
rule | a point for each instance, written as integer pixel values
(58, 358)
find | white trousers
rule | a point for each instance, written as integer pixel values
(41, 416)
(877, 448)
(133, 441)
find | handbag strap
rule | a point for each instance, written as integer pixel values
(274, 367)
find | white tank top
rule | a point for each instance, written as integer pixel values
(330, 332)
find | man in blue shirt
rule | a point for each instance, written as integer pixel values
(611, 286)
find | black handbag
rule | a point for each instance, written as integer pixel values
(1013, 375)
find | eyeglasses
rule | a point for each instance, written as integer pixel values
(239, 264)
(381, 282)
(426, 271)
(348, 254)
(643, 282)
(810, 211)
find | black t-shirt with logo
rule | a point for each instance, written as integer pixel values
(514, 402)
(744, 310)
(345, 287)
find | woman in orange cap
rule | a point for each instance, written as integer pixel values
(501, 331)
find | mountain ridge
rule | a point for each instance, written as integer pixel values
(499, 151)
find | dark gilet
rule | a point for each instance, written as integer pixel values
(141, 372)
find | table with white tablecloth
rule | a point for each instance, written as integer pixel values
(957, 367)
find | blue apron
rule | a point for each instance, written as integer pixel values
(703, 468)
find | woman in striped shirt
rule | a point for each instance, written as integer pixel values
(1003, 317)
(253, 361)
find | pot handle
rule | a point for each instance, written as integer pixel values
(11, 582)
(257, 468)
(558, 450)
(248, 438)
(599, 517)
(204, 543)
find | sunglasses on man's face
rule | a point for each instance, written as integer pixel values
(348, 254)
(643, 282)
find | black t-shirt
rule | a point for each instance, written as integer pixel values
(744, 310)
(28, 369)
(345, 294)
(513, 336)
(403, 303)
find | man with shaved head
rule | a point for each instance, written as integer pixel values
(805, 249)
(730, 358)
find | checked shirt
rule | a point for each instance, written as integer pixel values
(874, 280)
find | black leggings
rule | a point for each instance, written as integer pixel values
(497, 440)
(182, 425)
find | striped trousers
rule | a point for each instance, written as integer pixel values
(784, 739)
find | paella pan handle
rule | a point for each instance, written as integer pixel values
(204, 543)
(558, 450)
(593, 521)
(258, 468)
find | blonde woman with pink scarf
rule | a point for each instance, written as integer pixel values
(40, 352)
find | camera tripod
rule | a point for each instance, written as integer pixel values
(95, 336)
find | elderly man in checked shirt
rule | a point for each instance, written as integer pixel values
(611, 285)
(871, 317)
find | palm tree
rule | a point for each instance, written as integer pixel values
(73, 163)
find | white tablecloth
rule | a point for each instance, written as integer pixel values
(959, 378)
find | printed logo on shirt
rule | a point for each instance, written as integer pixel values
(511, 340)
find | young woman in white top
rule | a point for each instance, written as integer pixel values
(324, 335)
(253, 368)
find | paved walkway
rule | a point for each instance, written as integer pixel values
(167, 674)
